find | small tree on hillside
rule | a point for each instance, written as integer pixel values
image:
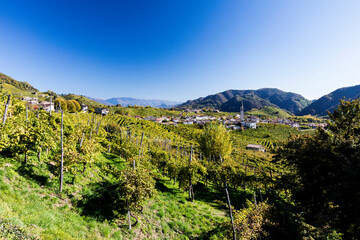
(71, 107)
(60, 103)
(136, 186)
(215, 142)
(77, 105)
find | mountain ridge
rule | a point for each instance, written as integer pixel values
(330, 101)
(274, 97)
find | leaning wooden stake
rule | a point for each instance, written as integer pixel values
(27, 114)
(62, 152)
(50, 106)
(98, 126)
(109, 137)
(6, 109)
(230, 208)
(128, 208)
(129, 213)
(141, 143)
(82, 139)
(191, 191)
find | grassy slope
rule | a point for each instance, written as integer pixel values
(29, 199)
(271, 112)
(16, 91)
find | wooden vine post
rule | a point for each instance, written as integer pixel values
(39, 152)
(6, 109)
(62, 152)
(50, 106)
(128, 207)
(109, 137)
(141, 143)
(191, 190)
(230, 208)
(26, 129)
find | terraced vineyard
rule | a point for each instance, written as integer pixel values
(90, 176)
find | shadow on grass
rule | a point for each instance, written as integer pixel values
(161, 187)
(211, 195)
(218, 231)
(102, 204)
(29, 171)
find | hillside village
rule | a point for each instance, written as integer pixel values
(235, 122)
(231, 122)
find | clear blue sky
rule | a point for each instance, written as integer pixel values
(181, 49)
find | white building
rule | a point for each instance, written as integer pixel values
(255, 147)
(47, 106)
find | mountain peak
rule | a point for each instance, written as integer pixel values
(229, 100)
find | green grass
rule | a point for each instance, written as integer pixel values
(31, 206)
(42, 211)
(16, 91)
(190, 219)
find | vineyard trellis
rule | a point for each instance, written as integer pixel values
(76, 139)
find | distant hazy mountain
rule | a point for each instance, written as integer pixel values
(134, 101)
(142, 102)
(102, 101)
(330, 101)
(230, 100)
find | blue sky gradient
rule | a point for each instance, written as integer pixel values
(180, 50)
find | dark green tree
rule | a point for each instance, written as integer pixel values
(324, 171)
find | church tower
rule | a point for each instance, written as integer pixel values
(242, 119)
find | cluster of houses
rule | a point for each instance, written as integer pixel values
(49, 106)
(231, 122)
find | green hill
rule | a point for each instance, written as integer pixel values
(250, 101)
(226, 101)
(19, 88)
(16, 87)
(330, 101)
(271, 112)
(84, 100)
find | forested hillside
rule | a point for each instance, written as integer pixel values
(330, 101)
(230, 100)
